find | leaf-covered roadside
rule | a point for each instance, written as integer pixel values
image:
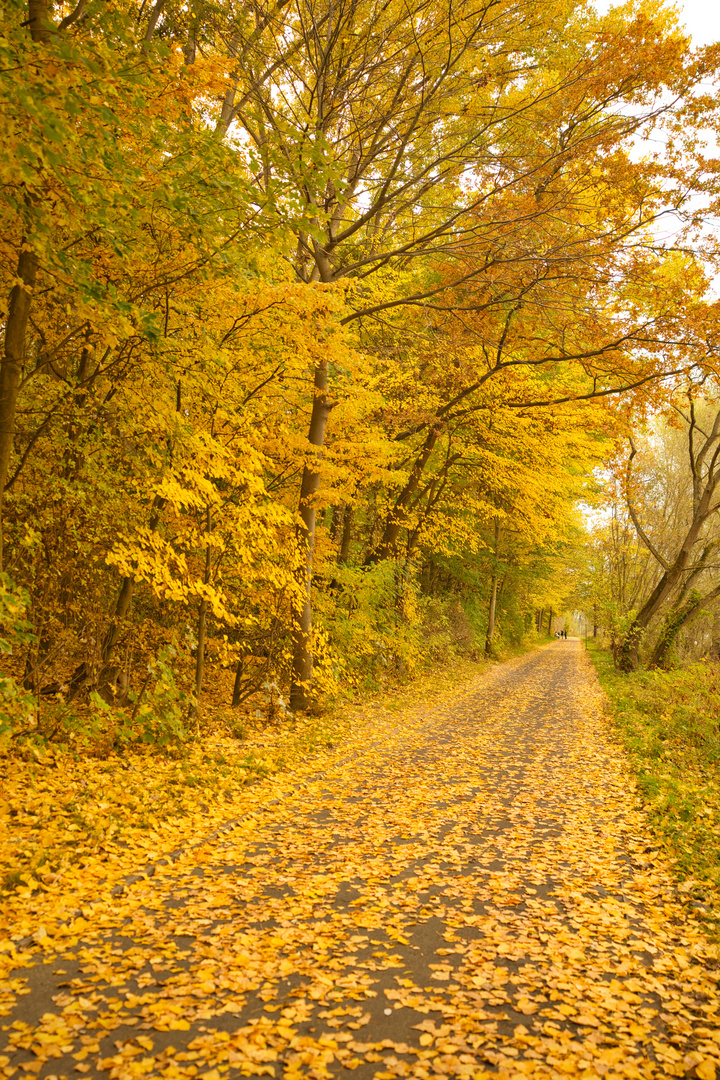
(668, 721)
(474, 895)
(72, 824)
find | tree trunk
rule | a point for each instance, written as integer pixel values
(388, 542)
(18, 310)
(237, 694)
(629, 651)
(122, 607)
(493, 594)
(348, 516)
(302, 667)
(491, 615)
(38, 20)
(200, 658)
(202, 617)
(86, 673)
(715, 641)
(674, 623)
(628, 657)
(337, 515)
(11, 365)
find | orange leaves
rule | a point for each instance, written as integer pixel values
(526, 1006)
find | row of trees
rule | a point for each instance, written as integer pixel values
(319, 317)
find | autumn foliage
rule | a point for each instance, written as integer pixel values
(317, 320)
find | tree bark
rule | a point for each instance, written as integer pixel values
(11, 365)
(493, 594)
(237, 694)
(715, 640)
(337, 515)
(628, 658)
(674, 623)
(202, 616)
(86, 672)
(491, 615)
(629, 651)
(39, 21)
(344, 553)
(387, 546)
(112, 634)
(18, 309)
(302, 666)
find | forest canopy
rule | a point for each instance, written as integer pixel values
(324, 324)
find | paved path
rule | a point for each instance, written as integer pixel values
(475, 895)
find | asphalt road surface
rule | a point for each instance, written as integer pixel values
(474, 894)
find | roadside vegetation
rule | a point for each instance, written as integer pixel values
(669, 722)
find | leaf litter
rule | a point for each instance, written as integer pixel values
(477, 894)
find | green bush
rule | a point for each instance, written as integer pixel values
(161, 708)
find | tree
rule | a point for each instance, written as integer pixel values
(404, 134)
(684, 555)
(301, 301)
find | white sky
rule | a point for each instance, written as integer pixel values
(701, 18)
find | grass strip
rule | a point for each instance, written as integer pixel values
(669, 723)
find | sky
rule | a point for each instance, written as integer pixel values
(701, 18)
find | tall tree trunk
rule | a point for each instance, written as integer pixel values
(202, 616)
(493, 594)
(675, 621)
(18, 310)
(491, 614)
(715, 640)
(38, 20)
(86, 673)
(628, 654)
(11, 364)
(348, 516)
(122, 607)
(337, 515)
(387, 546)
(237, 694)
(629, 651)
(672, 625)
(302, 667)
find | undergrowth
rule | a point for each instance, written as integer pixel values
(669, 722)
